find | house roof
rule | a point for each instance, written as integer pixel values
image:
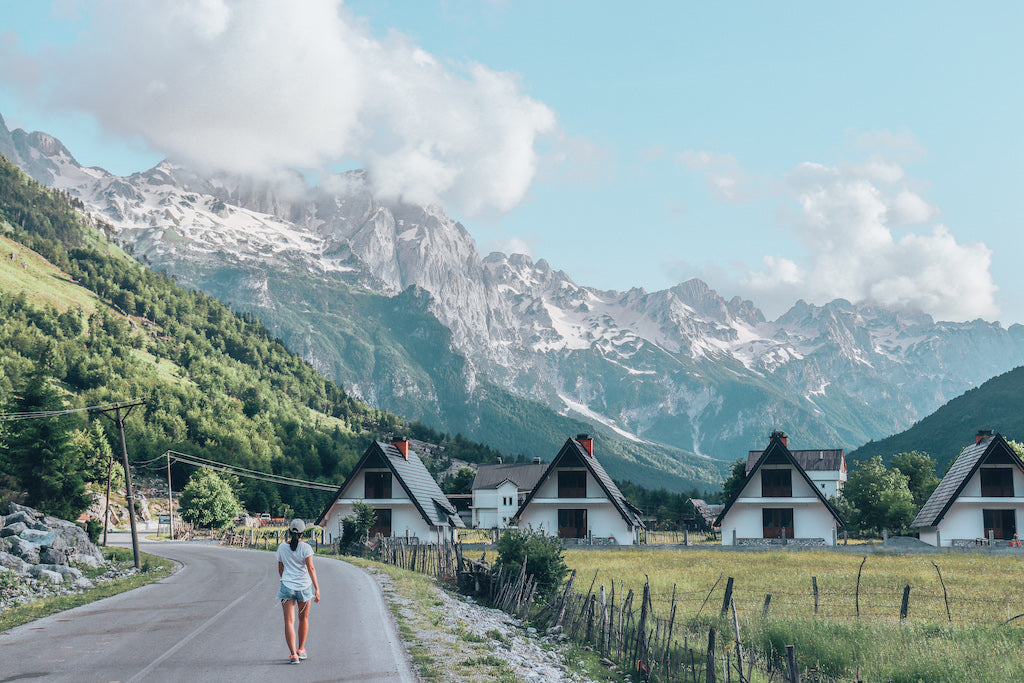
(960, 472)
(573, 451)
(812, 460)
(524, 475)
(776, 450)
(414, 479)
(707, 511)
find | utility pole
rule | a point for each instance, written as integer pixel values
(106, 507)
(119, 421)
(170, 504)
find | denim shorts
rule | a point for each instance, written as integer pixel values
(286, 593)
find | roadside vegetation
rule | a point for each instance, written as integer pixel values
(120, 561)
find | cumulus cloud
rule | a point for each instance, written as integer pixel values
(845, 225)
(254, 86)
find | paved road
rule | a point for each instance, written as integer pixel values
(216, 619)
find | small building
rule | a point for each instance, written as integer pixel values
(779, 503)
(407, 501)
(499, 490)
(576, 500)
(826, 467)
(980, 500)
(704, 514)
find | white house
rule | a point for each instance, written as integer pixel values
(576, 499)
(499, 490)
(981, 498)
(826, 467)
(406, 499)
(779, 503)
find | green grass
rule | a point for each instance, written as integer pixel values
(971, 644)
(154, 568)
(40, 281)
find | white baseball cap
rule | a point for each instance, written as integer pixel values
(297, 525)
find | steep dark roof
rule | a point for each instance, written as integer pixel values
(573, 451)
(960, 472)
(776, 449)
(524, 475)
(414, 479)
(707, 511)
(812, 460)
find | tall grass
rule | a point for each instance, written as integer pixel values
(970, 644)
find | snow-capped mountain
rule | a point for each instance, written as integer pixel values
(683, 366)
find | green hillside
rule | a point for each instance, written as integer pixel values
(84, 318)
(995, 405)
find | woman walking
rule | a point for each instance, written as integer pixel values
(298, 587)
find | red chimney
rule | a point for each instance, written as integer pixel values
(586, 442)
(402, 444)
(982, 434)
(781, 436)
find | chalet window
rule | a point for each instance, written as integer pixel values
(572, 484)
(777, 522)
(381, 524)
(378, 484)
(777, 483)
(572, 523)
(1002, 523)
(997, 482)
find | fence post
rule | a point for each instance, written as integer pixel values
(792, 671)
(711, 656)
(814, 584)
(767, 601)
(906, 603)
(945, 597)
(736, 632)
(728, 596)
(858, 584)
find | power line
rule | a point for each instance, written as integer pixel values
(14, 417)
(245, 472)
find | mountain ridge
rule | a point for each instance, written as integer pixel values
(682, 366)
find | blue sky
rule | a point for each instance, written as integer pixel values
(813, 150)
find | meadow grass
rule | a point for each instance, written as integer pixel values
(41, 281)
(970, 644)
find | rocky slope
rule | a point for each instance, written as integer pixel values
(394, 301)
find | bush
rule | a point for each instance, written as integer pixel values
(94, 528)
(543, 555)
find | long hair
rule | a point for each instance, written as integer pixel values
(293, 539)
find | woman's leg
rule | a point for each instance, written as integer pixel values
(303, 623)
(289, 624)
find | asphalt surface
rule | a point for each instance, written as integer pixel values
(216, 619)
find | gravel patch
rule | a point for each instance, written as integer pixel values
(471, 643)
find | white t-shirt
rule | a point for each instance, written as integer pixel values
(295, 575)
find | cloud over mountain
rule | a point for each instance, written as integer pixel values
(864, 233)
(259, 86)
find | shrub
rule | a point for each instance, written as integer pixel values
(543, 555)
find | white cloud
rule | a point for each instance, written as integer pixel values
(261, 85)
(726, 179)
(845, 226)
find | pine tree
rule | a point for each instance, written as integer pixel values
(41, 454)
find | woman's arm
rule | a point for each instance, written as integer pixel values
(280, 568)
(312, 575)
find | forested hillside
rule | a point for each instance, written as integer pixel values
(995, 405)
(82, 323)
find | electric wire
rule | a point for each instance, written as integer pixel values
(245, 472)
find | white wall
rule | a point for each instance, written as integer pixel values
(495, 507)
(406, 520)
(965, 519)
(811, 519)
(603, 520)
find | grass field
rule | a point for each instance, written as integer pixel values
(970, 644)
